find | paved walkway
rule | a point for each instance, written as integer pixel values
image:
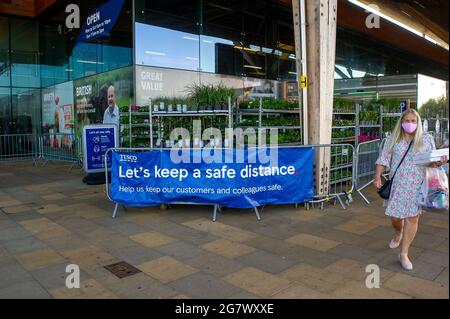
(49, 219)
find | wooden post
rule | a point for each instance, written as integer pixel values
(321, 16)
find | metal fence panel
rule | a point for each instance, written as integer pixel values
(19, 147)
(46, 147)
(368, 153)
(439, 135)
(342, 168)
(60, 147)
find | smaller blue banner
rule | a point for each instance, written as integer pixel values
(100, 22)
(97, 140)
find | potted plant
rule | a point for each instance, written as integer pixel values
(216, 92)
(209, 97)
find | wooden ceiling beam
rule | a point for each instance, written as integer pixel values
(408, 15)
(353, 18)
(429, 24)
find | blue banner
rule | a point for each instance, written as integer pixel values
(151, 178)
(100, 22)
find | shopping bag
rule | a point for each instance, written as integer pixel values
(434, 191)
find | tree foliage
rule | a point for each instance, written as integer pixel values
(434, 108)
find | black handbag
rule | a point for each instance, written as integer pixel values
(385, 189)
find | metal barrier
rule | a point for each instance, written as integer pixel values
(340, 182)
(19, 147)
(368, 153)
(441, 134)
(342, 185)
(60, 147)
(46, 147)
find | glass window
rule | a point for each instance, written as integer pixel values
(25, 53)
(115, 57)
(54, 74)
(5, 110)
(53, 44)
(25, 69)
(167, 48)
(221, 37)
(358, 56)
(86, 60)
(4, 52)
(256, 37)
(26, 110)
(65, 58)
(115, 50)
(269, 33)
(167, 34)
(250, 38)
(284, 43)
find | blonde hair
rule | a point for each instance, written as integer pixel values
(398, 133)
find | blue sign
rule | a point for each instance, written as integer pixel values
(152, 178)
(403, 106)
(97, 139)
(100, 22)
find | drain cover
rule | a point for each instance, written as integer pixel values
(122, 269)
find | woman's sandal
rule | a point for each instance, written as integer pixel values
(406, 264)
(394, 244)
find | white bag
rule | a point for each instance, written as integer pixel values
(434, 191)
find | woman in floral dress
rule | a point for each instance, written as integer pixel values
(402, 206)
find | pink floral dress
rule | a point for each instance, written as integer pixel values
(403, 202)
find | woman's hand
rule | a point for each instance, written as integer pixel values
(444, 160)
(377, 181)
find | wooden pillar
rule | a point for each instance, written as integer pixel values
(321, 16)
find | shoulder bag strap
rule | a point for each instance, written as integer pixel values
(398, 166)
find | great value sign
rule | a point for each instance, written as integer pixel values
(152, 178)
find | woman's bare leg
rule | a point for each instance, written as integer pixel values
(409, 232)
(397, 223)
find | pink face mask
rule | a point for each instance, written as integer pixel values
(409, 127)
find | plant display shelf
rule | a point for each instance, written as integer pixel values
(343, 127)
(267, 110)
(349, 120)
(158, 115)
(190, 113)
(149, 116)
(388, 121)
(341, 166)
(257, 111)
(135, 125)
(391, 114)
(370, 125)
(338, 140)
(277, 127)
(342, 180)
(128, 125)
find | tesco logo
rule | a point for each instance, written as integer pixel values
(128, 158)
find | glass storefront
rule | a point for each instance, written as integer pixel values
(39, 53)
(19, 76)
(251, 39)
(247, 45)
(4, 52)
